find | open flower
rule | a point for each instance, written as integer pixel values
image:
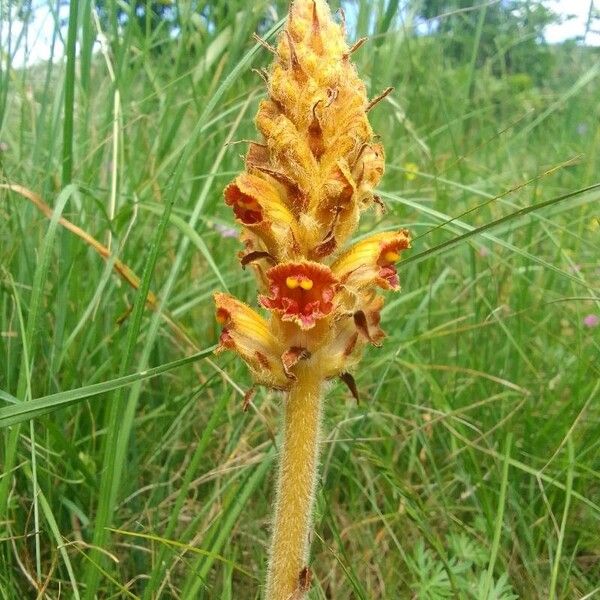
(259, 205)
(372, 261)
(591, 320)
(248, 334)
(300, 292)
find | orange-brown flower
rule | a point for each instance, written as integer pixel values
(299, 200)
(300, 292)
(246, 208)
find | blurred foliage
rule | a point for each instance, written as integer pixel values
(509, 33)
(163, 21)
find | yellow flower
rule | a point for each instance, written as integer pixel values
(260, 205)
(372, 261)
(248, 334)
(301, 292)
(411, 170)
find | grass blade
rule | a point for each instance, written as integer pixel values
(23, 411)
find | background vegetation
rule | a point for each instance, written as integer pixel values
(471, 468)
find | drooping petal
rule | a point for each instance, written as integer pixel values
(372, 261)
(337, 212)
(248, 334)
(343, 347)
(367, 318)
(301, 292)
(348, 379)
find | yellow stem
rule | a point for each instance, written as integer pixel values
(296, 486)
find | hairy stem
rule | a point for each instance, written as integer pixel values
(295, 487)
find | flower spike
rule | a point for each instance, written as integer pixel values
(298, 202)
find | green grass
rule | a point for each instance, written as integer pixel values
(471, 467)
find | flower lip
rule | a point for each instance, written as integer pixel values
(223, 315)
(301, 292)
(389, 255)
(245, 208)
(226, 341)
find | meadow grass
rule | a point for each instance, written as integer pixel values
(470, 469)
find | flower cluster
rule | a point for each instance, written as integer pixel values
(298, 202)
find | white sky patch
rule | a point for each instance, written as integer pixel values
(31, 42)
(575, 17)
(35, 38)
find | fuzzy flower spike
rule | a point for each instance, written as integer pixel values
(298, 201)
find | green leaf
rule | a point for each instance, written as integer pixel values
(24, 411)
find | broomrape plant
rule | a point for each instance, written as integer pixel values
(299, 200)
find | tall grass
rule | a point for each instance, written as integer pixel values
(469, 470)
